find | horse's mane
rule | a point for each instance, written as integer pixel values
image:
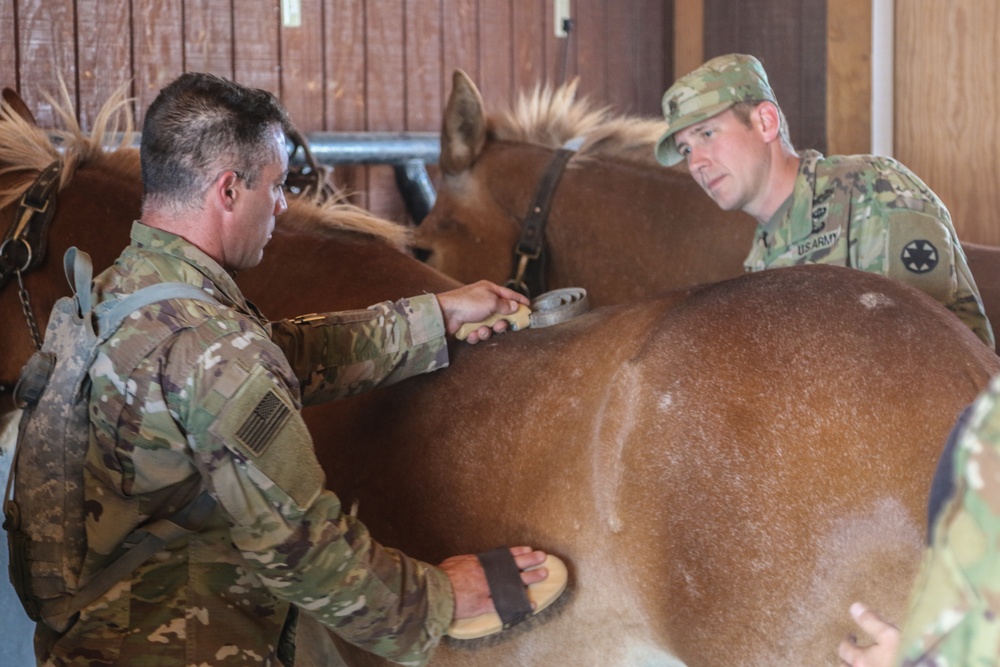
(337, 217)
(551, 117)
(26, 150)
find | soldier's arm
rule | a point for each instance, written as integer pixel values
(257, 457)
(340, 354)
(917, 246)
(955, 609)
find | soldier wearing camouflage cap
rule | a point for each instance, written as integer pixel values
(862, 211)
(954, 614)
(215, 407)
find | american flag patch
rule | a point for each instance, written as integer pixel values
(263, 422)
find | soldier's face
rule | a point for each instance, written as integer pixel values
(258, 209)
(727, 159)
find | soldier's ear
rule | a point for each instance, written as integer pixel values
(224, 188)
(767, 120)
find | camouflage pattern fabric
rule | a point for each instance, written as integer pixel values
(707, 91)
(954, 617)
(873, 214)
(217, 406)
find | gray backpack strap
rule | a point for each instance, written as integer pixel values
(110, 314)
(140, 545)
(80, 272)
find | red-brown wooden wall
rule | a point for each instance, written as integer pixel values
(352, 65)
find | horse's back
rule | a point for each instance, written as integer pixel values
(725, 470)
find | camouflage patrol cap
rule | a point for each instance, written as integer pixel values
(709, 90)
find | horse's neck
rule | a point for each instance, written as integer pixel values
(355, 274)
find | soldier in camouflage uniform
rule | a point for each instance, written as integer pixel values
(954, 616)
(216, 407)
(861, 211)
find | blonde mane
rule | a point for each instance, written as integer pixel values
(551, 117)
(26, 150)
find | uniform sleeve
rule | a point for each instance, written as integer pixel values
(913, 242)
(968, 302)
(954, 619)
(253, 450)
(339, 354)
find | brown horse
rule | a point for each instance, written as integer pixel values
(620, 225)
(725, 468)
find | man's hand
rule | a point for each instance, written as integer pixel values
(475, 303)
(468, 580)
(880, 654)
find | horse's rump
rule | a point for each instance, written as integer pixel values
(725, 472)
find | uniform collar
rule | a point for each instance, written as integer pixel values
(795, 213)
(198, 265)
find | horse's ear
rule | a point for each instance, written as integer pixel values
(463, 131)
(14, 101)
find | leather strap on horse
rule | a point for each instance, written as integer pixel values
(529, 253)
(23, 246)
(310, 179)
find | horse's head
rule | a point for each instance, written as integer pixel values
(619, 223)
(491, 168)
(470, 230)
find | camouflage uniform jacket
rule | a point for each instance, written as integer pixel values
(216, 406)
(954, 617)
(873, 214)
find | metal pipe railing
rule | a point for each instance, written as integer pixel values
(408, 153)
(357, 148)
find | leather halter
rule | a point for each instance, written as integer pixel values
(528, 276)
(309, 179)
(23, 246)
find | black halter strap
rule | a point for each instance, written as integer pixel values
(23, 246)
(528, 275)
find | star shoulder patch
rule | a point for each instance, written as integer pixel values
(919, 256)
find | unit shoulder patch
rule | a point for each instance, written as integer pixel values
(919, 256)
(920, 253)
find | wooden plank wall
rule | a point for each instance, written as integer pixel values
(849, 77)
(946, 126)
(351, 65)
(847, 70)
(789, 38)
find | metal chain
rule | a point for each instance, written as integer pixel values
(29, 316)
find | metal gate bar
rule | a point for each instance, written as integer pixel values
(408, 153)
